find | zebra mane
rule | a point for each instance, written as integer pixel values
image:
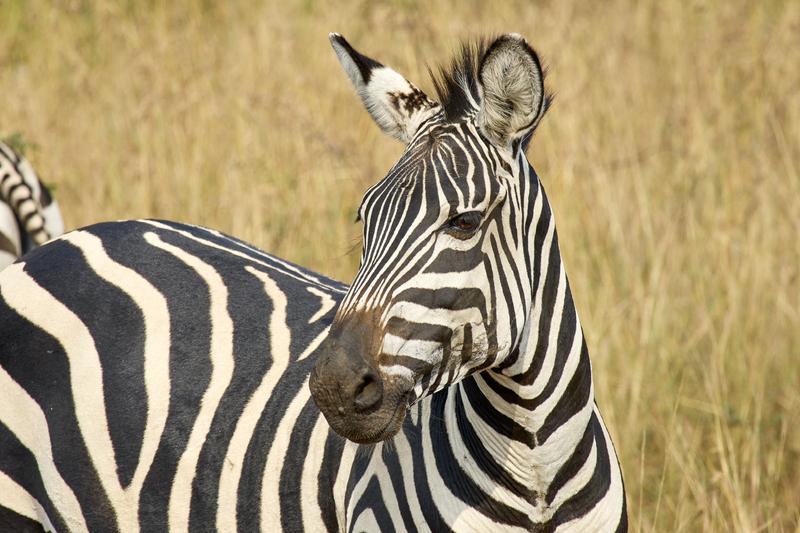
(456, 84)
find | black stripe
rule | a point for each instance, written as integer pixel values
(189, 365)
(397, 477)
(373, 500)
(413, 432)
(566, 337)
(331, 462)
(15, 204)
(18, 463)
(248, 505)
(572, 465)
(292, 468)
(458, 481)
(483, 458)
(105, 310)
(451, 261)
(575, 398)
(450, 298)
(587, 498)
(6, 245)
(549, 293)
(37, 362)
(251, 361)
(16, 523)
(496, 420)
(405, 329)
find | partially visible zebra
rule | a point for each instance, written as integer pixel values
(168, 376)
(29, 216)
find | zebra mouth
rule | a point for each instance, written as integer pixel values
(364, 415)
(389, 430)
(380, 425)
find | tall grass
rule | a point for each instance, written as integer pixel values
(671, 155)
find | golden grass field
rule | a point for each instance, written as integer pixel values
(671, 157)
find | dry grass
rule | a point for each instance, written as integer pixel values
(672, 157)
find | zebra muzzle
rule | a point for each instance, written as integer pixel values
(358, 402)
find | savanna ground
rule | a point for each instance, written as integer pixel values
(671, 156)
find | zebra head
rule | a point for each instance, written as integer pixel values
(444, 286)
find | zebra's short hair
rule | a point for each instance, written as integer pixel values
(456, 83)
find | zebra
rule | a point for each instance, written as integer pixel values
(29, 216)
(167, 376)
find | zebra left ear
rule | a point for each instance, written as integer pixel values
(511, 83)
(396, 105)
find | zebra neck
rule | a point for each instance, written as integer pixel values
(536, 416)
(536, 423)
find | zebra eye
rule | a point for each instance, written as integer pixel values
(465, 223)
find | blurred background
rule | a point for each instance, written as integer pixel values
(671, 157)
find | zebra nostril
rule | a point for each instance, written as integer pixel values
(368, 393)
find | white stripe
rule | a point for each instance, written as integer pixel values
(221, 352)
(20, 194)
(39, 307)
(6, 259)
(540, 382)
(246, 425)
(325, 305)
(531, 329)
(313, 345)
(155, 312)
(539, 415)
(290, 270)
(342, 478)
(510, 454)
(605, 515)
(389, 496)
(456, 514)
(366, 522)
(9, 182)
(400, 371)
(310, 509)
(271, 477)
(579, 480)
(361, 485)
(409, 486)
(24, 417)
(27, 207)
(417, 349)
(21, 502)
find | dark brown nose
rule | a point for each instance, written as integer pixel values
(368, 392)
(349, 390)
(343, 381)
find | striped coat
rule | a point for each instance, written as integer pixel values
(162, 376)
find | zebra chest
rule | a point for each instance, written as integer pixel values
(429, 478)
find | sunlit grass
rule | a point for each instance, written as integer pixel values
(671, 156)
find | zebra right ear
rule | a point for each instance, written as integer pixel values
(396, 105)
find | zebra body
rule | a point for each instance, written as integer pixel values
(170, 369)
(29, 216)
(157, 375)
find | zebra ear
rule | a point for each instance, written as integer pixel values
(396, 105)
(511, 83)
